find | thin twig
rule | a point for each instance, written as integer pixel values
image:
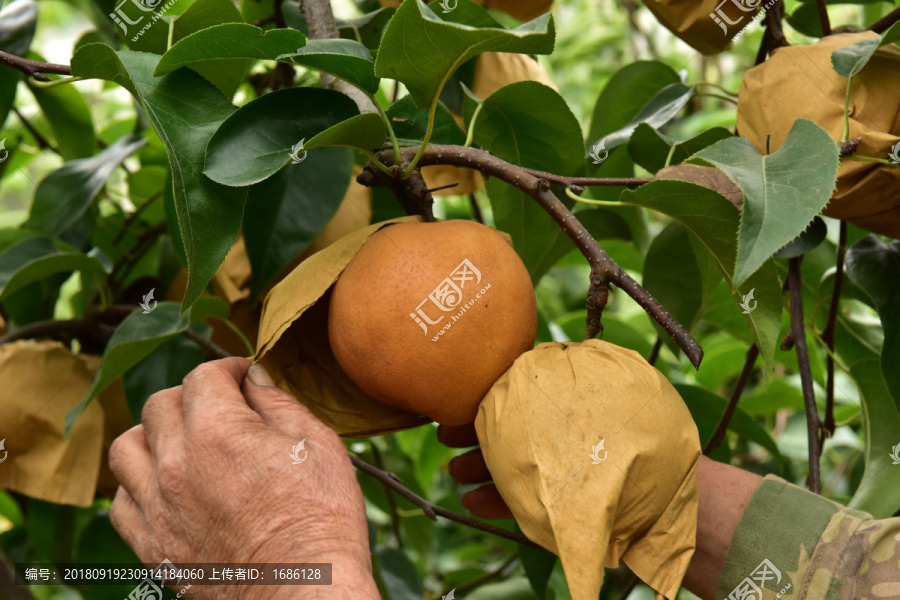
(604, 270)
(823, 17)
(589, 181)
(828, 333)
(63, 330)
(654, 352)
(882, 24)
(322, 25)
(38, 138)
(487, 577)
(141, 247)
(718, 435)
(133, 217)
(809, 398)
(392, 502)
(212, 350)
(476, 209)
(33, 68)
(432, 511)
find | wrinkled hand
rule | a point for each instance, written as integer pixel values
(207, 477)
(470, 468)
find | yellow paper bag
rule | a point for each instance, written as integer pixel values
(596, 455)
(42, 382)
(293, 344)
(705, 25)
(798, 82)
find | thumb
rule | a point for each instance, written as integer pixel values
(277, 407)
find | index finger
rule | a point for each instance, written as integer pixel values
(457, 436)
(215, 385)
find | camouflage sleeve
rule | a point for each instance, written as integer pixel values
(792, 544)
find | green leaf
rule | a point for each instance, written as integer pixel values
(364, 132)
(874, 266)
(258, 140)
(650, 148)
(163, 368)
(63, 197)
(538, 567)
(286, 212)
(706, 406)
(850, 60)
(714, 220)
(37, 258)
(528, 124)
(672, 274)
(139, 335)
(421, 50)
(410, 123)
(69, 118)
(399, 575)
(368, 28)
(806, 241)
(346, 59)
(185, 110)
(782, 191)
(658, 111)
(18, 20)
(229, 40)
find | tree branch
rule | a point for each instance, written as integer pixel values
(828, 334)
(322, 26)
(432, 511)
(604, 270)
(38, 138)
(823, 17)
(33, 68)
(588, 181)
(212, 350)
(809, 399)
(882, 25)
(718, 435)
(80, 328)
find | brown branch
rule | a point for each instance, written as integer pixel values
(38, 138)
(213, 351)
(33, 68)
(483, 579)
(588, 181)
(882, 25)
(823, 17)
(61, 330)
(809, 399)
(8, 581)
(392, 502)
(654, 352)
(476, 210)
(433, 511)
(322, 25)
(629, 587)
(774, 25)
(134, 216)
(828, 334)
(141, 247)
(718, 435)
(604, 270)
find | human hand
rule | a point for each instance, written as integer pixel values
(207, 477)
(470, 468)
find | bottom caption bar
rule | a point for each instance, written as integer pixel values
(169, 574)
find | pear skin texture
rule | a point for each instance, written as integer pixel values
(420, 329)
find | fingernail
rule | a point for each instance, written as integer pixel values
(259, 376)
